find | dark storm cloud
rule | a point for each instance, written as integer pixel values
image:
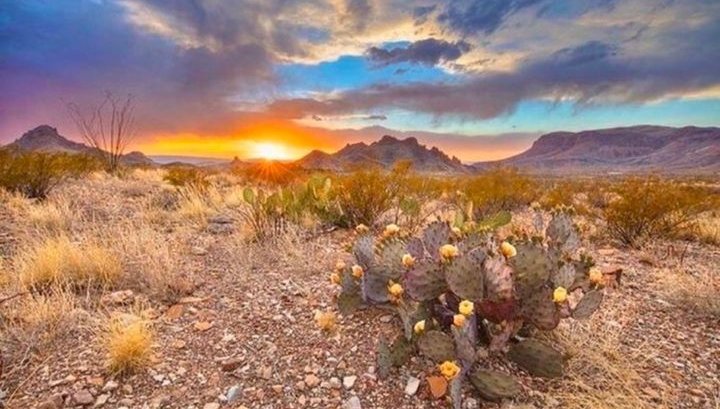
(427, 52)
(481, 16)
(590, 72)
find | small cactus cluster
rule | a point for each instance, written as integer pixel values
(457, 291)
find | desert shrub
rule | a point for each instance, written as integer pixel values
(497, 190)
(182, 176)
(654, 208)
(415, 195)
(59, 261)
(128, 342)
(364, 195)
(269, 211)
(35, 174)
(457, 293)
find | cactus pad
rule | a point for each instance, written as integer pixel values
(389, 256)
(465, 277)
(374, 285)
(349, 302)
(498, 311)
(562, 234)
(588, 304)
(540, 310)
(498, 278)
(565, 276)
(425, 281)
(415, 248)
(532, 267)
(537, 358)
(363, 251)
(494, 386)
(437, 346)
(436, 235)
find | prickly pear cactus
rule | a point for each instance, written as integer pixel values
(537, 358)
(494, 386)
(459, 290)
(437, 345)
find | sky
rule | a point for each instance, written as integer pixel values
(481, 79)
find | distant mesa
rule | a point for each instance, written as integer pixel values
(642, 148)
(384, 153)
(45, 138)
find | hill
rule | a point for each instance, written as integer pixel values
(384, 153)
(641, 148)
(45, 138)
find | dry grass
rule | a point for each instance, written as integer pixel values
(601, 372)
(128, 342)
(698, 291)
(197, 205)
(707, 229)
(57, 260)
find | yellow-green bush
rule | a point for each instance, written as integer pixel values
(654, 208)
(496, 190)
(364, 195)
(35, 174)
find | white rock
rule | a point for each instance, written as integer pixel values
(233, 393)
(412, 386)
(352, 403)
(349, 381)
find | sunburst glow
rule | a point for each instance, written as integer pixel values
(270, 150)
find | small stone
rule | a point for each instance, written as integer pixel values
(312, 381)
(352, 403)
(266, 373)
(386, 318)
(472, 403)
(231, 364)
(213, 405)
(101, 400)
(83, 398)
(233, 393)
(277, 389)
(198, 251)
(116, 298)
(349, 381)
(412, 386)
(110, 386)
(54, 402)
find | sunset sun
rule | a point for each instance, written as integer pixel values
(270, 150)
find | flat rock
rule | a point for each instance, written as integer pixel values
(352, 403)
(83, 397)
(412, 386)
(349, 381)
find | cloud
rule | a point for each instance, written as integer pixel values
(429, 51)
(589, 73)
(485, 16)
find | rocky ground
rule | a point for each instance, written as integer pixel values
(244, 336)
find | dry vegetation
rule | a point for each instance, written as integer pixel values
(172, 288)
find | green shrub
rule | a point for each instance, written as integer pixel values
(497, 190)
(364, 195)
(35, 174)
(654, 208)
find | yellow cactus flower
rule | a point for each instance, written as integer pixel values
(357, 271)
(596, 276)
(508, 250)
(419, 327)
(391, 229)
(449, 369)
(408, 260)
(335, 278)
(449, 251)
(340, 265)
(456, 231)
(361, 228)
(459, 320)
(325, 320)
(466, 307)
(395, 289)
(560, 295)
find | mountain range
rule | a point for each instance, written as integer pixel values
(642, 148)
(45, 138)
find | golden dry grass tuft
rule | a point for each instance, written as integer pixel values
(57, 260)
(698, 291)
(601, 372)
(128, 342)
